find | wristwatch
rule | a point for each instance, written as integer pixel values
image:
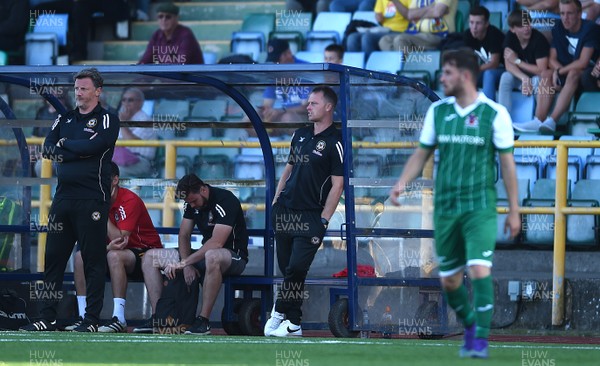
(518, 61)
(324, 222)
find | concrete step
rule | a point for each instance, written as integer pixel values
(133, 50)
(203, 30)
(223, 10)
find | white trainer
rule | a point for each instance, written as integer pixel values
(531, 126)
(548, 125)
(273, 323)
(287, 329)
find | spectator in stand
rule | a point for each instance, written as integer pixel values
(351, 5)
(334, 54)
(544, 14)
(486, 40)
(14, 20)
(574, 46)
(172, 43)
(285, 102)
(526, 52)
(310, 6)
(591, 9)
(134, 161)
(595, 77)
(81, 21)
(430, 23)
(390, 14)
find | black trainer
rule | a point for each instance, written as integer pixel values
(201, 326)
(39, 326)
(86, 327)
(149, 326)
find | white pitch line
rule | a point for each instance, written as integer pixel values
(229, 340)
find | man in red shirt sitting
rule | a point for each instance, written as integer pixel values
(130, 234)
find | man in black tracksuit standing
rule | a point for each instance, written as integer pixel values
(306, 197)
(82, 143)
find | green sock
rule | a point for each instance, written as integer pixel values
(459, 302)
(483, 295)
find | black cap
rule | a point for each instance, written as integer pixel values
(275, 48)
(190, 183)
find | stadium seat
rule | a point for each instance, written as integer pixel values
(300, 22)
(166, 110)
(383, 153)
(259, 22)
(523, 190)
(592, 167)
(585, 115)
(496, 6)
(422, 66)
(183, 166)
(576, 160)
(366, 166)
(3, 58)
(385, 61)
(464, 6)
(295, 39)
(53, 23)
(531, 161)
(496, 19)
(42, 43)
(354, 59)
(209, 109)
(583, 229)
(248, 43)
(212, 167)
(308, 56)
(41, 49)
(394, 164)
(329, 27)
(523, 107)
(368, 16)
(249, 167)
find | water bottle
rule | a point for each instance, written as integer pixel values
(386, 322)
(366, 332)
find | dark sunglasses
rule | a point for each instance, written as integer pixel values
(165, 16)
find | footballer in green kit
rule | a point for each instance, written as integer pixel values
(468, 129)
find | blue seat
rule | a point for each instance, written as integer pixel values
(248, 43)
(386, 61)
(214, 109)
(53, 23)
(523, 107)
(583, 229)
(576, 159)
(310, 56)
(422, 66)
(531, 161)
(355, 59)
(249, 167)
(212, 167)
(329, 27)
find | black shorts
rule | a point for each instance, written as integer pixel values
(238, 265)
(137, 274)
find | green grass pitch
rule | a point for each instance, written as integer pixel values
(61, 348)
